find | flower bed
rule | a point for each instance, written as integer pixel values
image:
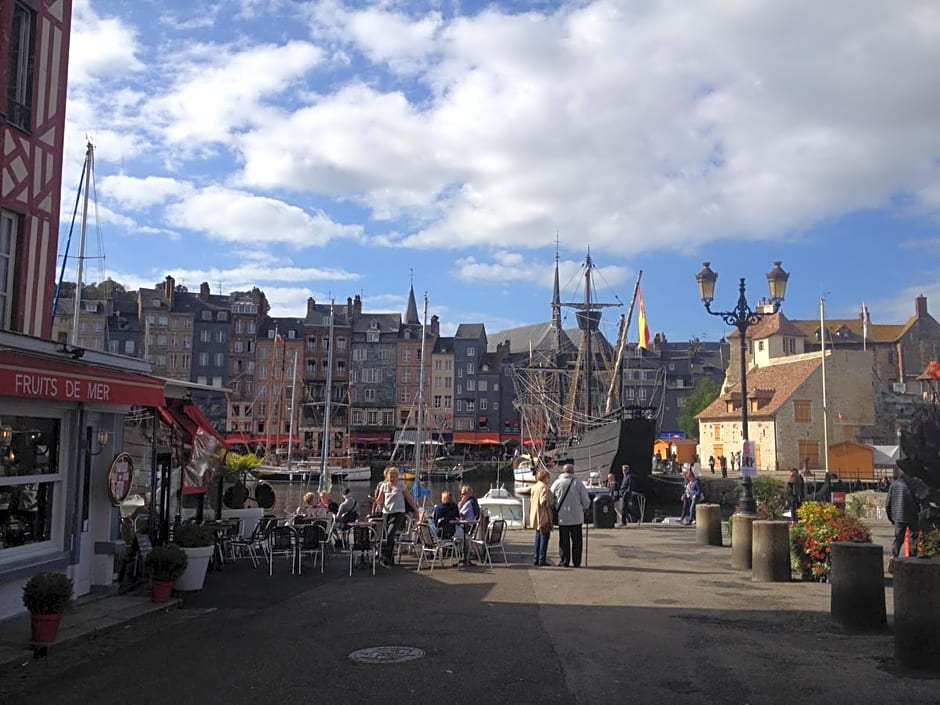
(811, 538)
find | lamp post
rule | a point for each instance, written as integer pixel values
(742, 317)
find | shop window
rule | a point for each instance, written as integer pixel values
(29, 480)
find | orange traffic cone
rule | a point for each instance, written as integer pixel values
(907, 543)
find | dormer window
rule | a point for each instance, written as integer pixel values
(155, 303)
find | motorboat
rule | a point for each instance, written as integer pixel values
(500, 503)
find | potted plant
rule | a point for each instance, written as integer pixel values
(166, 565)
(198, 541)
(45, 595)
(234, 501)
(811, 538)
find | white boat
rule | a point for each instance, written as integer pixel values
(500, 503)
(301, 472)
(524, 468)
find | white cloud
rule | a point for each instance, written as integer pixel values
(100, 47)
(135, 192)
(638, 127)
(217, 89)
(240, 217)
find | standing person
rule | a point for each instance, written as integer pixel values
(901, 508)
(723, 464)
(711, 463)
(572, 500)
(393, 498)
(626, 496)
(796, 492)
(540, 516)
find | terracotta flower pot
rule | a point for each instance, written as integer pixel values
(161, 591)
(44, 627)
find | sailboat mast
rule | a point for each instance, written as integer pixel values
(419, 439)
(293, 404)
(325, 444)
(89, 167)
(825, 408)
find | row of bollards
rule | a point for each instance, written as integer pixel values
(857, 597)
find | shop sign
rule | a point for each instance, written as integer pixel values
(73, 387)
(120, 477)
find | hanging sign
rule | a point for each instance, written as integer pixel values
(748, 468)
(120, 477)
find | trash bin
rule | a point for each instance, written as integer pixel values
(605, 517)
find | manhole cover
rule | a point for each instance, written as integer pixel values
(386, 654)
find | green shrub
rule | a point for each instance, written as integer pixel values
(47, 593)
(167, 563)
(193, 535)
(770, 494)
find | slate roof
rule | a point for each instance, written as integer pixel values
(541, 336)
(472, 331)
(877, 332)
(773, 384)
(387, 322)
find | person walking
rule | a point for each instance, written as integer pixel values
(902, 510)
(393, 498)
(572, 501)
(723, 464)
(711, 463)
(541, 501)
(626, 497)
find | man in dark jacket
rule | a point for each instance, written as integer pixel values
(902, 510)
(626, 497)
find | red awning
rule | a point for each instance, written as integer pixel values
(370, 437)
(195, 413)
(476, 437)
(39, 376)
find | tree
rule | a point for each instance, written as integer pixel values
(705, 392)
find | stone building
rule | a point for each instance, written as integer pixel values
(785, 412)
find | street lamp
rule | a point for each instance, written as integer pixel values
(742, 317)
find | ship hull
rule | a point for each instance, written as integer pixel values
(605, 448)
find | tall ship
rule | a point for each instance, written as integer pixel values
(568, 393)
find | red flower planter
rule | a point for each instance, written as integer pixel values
(161, 591)
(44, 627)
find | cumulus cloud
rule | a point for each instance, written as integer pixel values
(135, 192)
(100, 47)
(236, 216)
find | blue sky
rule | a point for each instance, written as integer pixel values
(332, 148)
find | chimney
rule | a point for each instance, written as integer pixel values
(357, 305)
(311, 307)
(349, 307)
(204, 291)
(435, 326)
(169, 286)
(920, 306)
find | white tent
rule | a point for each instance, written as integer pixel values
(886, 456)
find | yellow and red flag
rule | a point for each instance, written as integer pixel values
(643, 330)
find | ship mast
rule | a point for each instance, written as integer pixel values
(589, 318)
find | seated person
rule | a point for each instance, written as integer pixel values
(445, 513)
(327, 505)
(348, 511)
(308, 507)
(468, 505)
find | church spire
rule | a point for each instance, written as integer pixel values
(411, 314)
(556, 304)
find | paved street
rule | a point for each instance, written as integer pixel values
(654, 618)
